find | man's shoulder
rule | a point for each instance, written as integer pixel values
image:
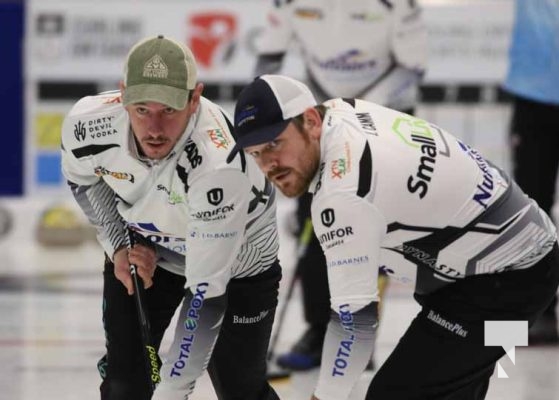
(106, 102)
(212, 134)
(95, 120)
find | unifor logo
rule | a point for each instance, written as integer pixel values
(215, 196)
(79, 131)
(327, 217)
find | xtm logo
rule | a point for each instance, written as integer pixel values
(212, 38)
(338, 168)
(327, 217)
(79, 131)
(218, 138)
(215, 196)
(342, 165)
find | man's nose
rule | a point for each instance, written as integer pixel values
(154, 126)
(269, 163)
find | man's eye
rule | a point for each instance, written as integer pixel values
(169, 110)
(141, 110)
(255, 154)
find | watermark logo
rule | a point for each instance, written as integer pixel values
(506, 334)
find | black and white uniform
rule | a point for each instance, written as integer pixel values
(211, 222)
(369, 49)
(374, 50)
(397, 192)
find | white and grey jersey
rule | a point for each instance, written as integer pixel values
(397, 192)
(370, 49)
(210, 220)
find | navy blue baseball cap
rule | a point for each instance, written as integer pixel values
(265, 107)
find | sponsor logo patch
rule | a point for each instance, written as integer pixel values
(453, 327)
(156, 68)
(327, 217)
(102, 171)
(219, 138)
(250, 320)
(215, 196)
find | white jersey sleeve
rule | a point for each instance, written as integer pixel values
(95, 124)
(350, 230)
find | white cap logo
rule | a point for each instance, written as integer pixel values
(155, 68)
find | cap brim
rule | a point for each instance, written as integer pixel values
(258, 136)
(170, 96)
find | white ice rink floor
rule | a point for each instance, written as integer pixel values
(51, 335)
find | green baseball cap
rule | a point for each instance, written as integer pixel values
(159, 69)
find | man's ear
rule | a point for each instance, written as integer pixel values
(195, 97)
(121, 87)
(312, 122)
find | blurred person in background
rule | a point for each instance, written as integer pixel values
(533, 81)
(158, 168)
(394, 190)
(368, 49)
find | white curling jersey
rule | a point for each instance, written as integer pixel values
(397, 192)
(350, 47)
(211, 221)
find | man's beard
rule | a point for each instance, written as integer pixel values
(299, 181)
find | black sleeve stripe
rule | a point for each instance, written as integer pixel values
(243, 161)
(229, 124)
(232, 131)
(92, 149)
(349, 101)
(183, 176)
(365, 172)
